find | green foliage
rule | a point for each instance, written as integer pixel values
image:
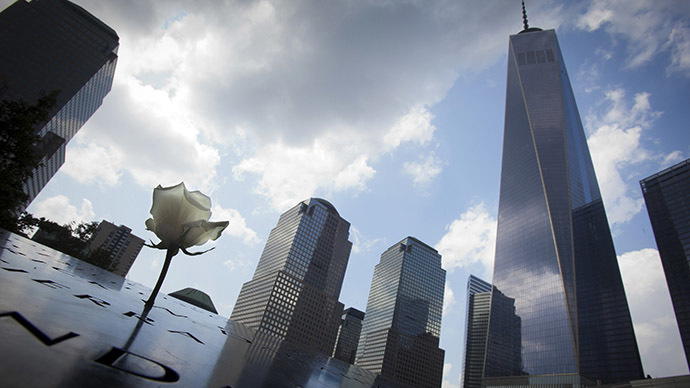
(19, 154)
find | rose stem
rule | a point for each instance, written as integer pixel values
(168, 258)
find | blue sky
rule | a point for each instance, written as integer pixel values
(393, 111)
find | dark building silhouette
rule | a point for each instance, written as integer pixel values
(348, 335)
(554, 252)
(123, 246)
(196, 298)
(55, 45)
(476, 327)
(294, 292)
(402, 325)
(667, 195)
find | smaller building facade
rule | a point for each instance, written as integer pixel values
(120, 242)
(667, 195)
(348, 335)
(402, 325)
(476, 327)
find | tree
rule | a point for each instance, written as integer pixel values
(72, 239)
(19, 153)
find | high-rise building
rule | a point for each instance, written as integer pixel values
(555, 258)
(294, 292)
(667, 195)
(348, 335)
(402, 325)
(119, 241)
(55, 45)
(476, 327)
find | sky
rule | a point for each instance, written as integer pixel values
(392, 111)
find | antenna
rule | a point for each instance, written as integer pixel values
(524, 16)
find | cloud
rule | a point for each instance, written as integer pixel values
(154, 142)
(470, 239)
(447, 368)
(413, 127)
(236, 264)
(238, 225)
(319, 91)
(648, 29)
(652, 312)
(448, 298)
(61, 211)
(291, 174)
(359, 243)
(424, 171)
(616, 147)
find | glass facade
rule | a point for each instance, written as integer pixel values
(294, 292)
(667, 195)
(476, 327)
(54, 45)
(556, 277)
(348, 335)
(402, 326)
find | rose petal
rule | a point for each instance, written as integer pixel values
(199, 232)
(175, 206)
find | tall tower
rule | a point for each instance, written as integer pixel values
(402, 325)
(348, 335)
(476, 327)
(294, 292)
(55, 45)
(554, 252)
(667, 195)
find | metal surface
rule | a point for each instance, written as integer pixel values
(66, 323)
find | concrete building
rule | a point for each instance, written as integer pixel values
(119, 241)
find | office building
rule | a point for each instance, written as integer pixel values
(667, 195)
(402, 325)
(348, 335)
(55, 45)
(476, 327)
(119, 241)
(555, 257)
(294, 292)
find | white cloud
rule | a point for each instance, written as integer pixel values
(679, 43)
(291, 174)
(616, 145)
(360, 244)
(653, 317)
(447, 368)
(649, 28)
(448, 298)
(424, 171)
(237, 263)
(413, 127)
(320, 92)
(155, 142)
(238, 225)
(470, 239)
(61, 211)
(93, 163)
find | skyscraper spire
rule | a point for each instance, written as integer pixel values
(524, 21)
(524, 16)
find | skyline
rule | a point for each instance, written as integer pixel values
(420, 107)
